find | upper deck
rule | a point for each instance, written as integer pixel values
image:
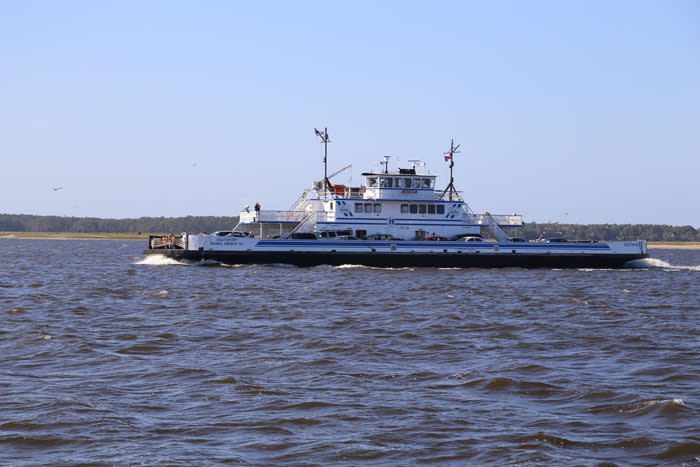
(404, 184)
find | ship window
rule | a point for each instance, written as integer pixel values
(331, 205)
(441, 209)
(368, 207)
(404, 209)
(431, 209)
(377, 208)
(407, 182)
(371, 181)
(426, 182)
(358, 207)
(416, 183)
(388, 182)
(414, 209)
(421, 209)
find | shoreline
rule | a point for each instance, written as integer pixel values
(72, 236)
(144, 237)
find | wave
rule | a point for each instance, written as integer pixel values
(160, 260)
(362, 266)
(643, 407)
(157, 260)
(655, 263)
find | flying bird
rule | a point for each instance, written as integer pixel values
(56, 188)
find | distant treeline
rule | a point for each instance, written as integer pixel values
(652, 232)
(192, 224)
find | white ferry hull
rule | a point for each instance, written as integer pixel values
(451, 254)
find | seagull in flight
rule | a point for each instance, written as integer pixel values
(56, 188)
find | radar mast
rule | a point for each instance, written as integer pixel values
(324, 137)
(450, 156)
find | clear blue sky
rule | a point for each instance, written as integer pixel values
(569, 111)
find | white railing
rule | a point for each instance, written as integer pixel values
(489, 220)
(345, 192)
(308, 224)
(456, 195)
(296, 205)
(271, 216)
(501, 219)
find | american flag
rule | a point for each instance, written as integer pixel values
(318, 133)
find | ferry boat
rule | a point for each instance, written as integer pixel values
(395, 218)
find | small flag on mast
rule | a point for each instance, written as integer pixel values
(448, 158)
(318, 133)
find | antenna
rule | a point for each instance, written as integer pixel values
(386, 164)
(415, 163)
(324, 137)
(450, 156)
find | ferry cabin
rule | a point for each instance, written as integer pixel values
(404, 205)
(401, 204)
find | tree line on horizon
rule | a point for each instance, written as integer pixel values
(196, 224)
(191, 224)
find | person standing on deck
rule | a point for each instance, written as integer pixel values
(257, 211)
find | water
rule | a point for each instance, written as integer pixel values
(109, 360)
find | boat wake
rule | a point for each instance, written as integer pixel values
(655, 263)
(361, 266)
(159, 260)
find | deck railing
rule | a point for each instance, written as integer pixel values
(501, 219)
(271, 216)
(165, 242)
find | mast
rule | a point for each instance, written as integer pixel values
(386, 164)
(450, 156)
(324, 137)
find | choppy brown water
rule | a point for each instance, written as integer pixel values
(108, 361)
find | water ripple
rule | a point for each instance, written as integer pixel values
(112, 359)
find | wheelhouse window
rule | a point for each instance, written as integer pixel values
(421, 209)
(358, 208)
(414, 209)
(425, 182)
(371, 182)
(404, 209)
(407, 183)
(377, 208)
(431, 209)
(368, 207)
(386, 182)
(441, 209)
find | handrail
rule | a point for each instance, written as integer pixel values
(312, 217)
(493, 225)
(440, 196)
(300, 199)
(303, 222)
(271, 216)
(157, 242)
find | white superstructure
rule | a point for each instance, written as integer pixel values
(403, 203)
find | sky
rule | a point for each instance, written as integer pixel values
(572, 112)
